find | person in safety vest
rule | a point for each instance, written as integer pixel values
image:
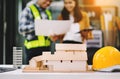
(34, 45)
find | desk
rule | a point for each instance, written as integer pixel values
(18, 74)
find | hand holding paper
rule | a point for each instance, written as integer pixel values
(56, 37)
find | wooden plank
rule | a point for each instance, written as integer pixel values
(60, 47)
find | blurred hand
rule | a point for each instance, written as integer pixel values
(54, 37)
(86, 34)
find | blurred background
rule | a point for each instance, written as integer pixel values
(10, 11)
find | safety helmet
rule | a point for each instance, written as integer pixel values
(106, 57)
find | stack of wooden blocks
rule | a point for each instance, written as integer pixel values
(68, 57)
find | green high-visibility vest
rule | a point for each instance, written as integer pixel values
(41, 41)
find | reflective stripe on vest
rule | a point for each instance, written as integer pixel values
(42, 41)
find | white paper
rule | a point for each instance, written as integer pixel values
(52, 27)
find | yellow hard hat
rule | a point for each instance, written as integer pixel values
(106, 57)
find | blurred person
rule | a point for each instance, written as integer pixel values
(34, 45)
(78, 32)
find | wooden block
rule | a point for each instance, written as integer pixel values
(63, 53)
(33, 63)
(66, 56)
(81, 55)
(71, 55)
(36, 62)
(48, 57)
(37, 58)
(46, 53)
(31, 68)
(60, 47)
(68, 65)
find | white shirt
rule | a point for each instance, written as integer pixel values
(73, 34)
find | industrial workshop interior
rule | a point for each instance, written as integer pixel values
(104, 19)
